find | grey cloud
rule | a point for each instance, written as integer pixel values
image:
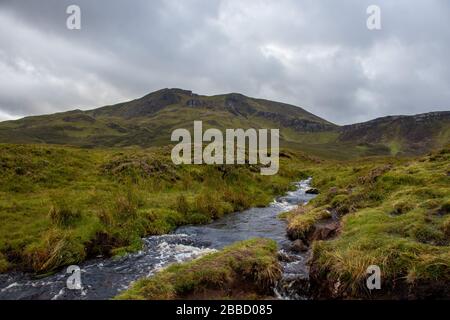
(315, 54)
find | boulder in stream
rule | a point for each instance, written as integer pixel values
(312, 191)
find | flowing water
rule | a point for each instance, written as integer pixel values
(105, 278)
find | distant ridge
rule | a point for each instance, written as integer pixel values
(149, 121)
(414, 134)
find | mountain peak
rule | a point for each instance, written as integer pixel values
(175, 91)
(167, 95)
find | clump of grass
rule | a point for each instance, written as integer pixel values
(105, 217)
(63, 215)
(125, 208)
(4, 265)
(239, 200)
(247, 269)
(57, 248)
(340, 202)
(162, 220)
(126, 205)
(301, 221)
(446, 227)
(137, 166)
(402, 206)
(211, 205)
(427, 233)
(182, 205)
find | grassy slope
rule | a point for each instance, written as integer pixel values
(61, 205)
(156, 129)
(396, 214)
(150, 120)
(244, 270)
(402, 135)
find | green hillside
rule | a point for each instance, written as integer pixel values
(150, 120)
(62, 205)
(391, 212)
(402, 134)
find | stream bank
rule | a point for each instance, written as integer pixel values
(105, 278)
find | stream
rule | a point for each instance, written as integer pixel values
(105, 278)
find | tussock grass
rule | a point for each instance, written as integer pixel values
(62, 215)
(394, 216)
(301, 221)
(55, 249)
(182, 205)
(4, 265)
(245, 270)
(60, 205)
(446, 227)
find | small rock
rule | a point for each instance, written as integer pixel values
(312, 191)
(283, 256)
(299, 246)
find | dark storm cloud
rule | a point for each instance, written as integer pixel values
(315, 54)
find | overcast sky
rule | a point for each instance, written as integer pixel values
(317, 54)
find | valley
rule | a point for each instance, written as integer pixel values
(100, 185)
